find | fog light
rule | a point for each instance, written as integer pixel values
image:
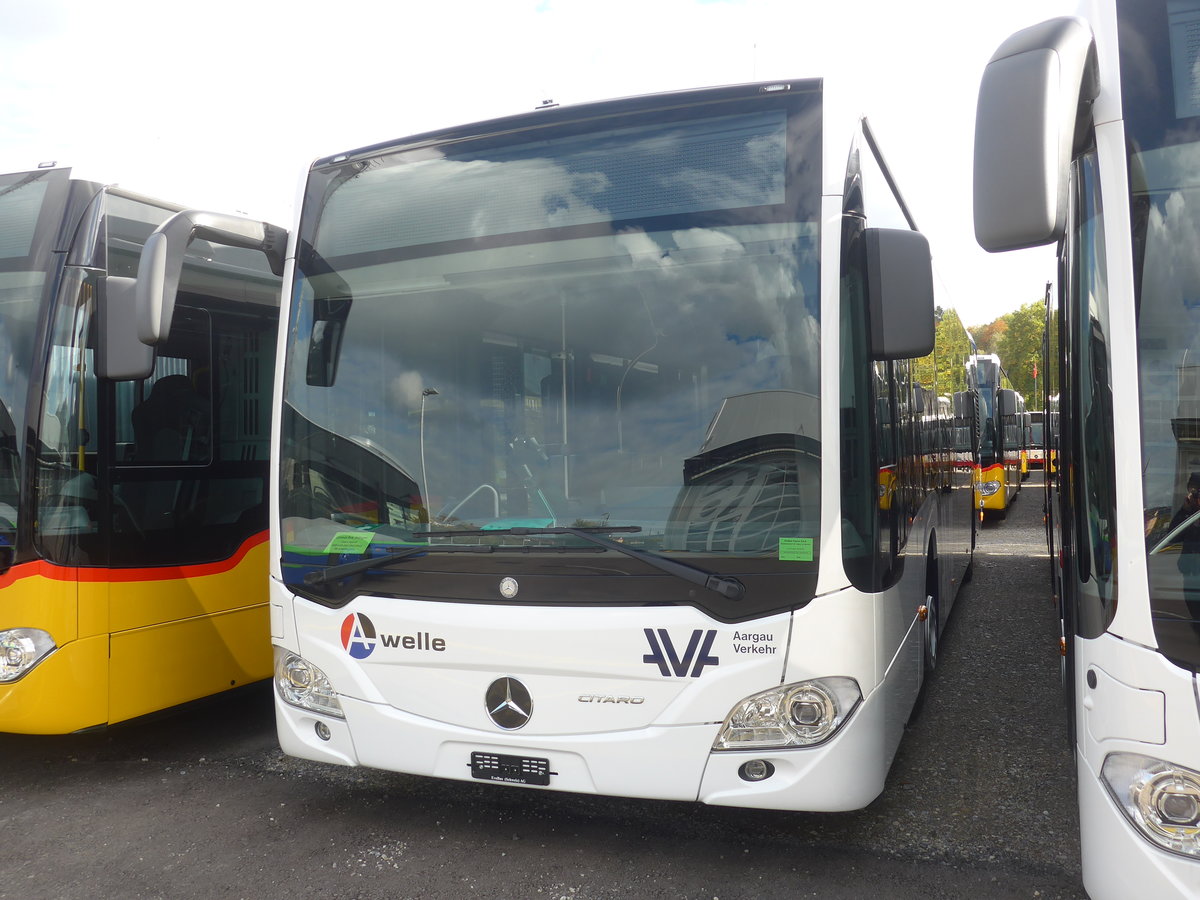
(323, 731)
(756, 770)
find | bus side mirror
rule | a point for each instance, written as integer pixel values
(120, 356)
(1034, 102)
(161, 262)
(899, 293)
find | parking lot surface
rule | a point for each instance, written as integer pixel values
(201, 803)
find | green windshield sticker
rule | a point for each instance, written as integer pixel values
(796, 549)
(351, 542)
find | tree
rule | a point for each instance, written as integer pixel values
(1020, 348)
(988, 337)
(944, 370)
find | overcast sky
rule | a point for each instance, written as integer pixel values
(223, 104)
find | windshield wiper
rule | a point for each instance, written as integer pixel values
(727, 587)
(345, 570)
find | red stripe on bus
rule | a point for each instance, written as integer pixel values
(105, 574)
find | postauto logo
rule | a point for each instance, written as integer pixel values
(358, 635)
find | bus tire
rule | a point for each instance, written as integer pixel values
(928, 658)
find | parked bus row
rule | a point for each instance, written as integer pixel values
(667, 489)
(593, 477)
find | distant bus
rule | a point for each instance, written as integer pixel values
(966, 424)
(1087, 139)
(1042, 454)
(133, 478)
(1001, 438)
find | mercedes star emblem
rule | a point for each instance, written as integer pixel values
(508, 703)
(508, 588)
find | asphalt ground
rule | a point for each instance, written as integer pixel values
(200, 802)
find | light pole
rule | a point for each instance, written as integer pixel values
(428, 392)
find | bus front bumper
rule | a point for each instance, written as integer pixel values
(65, 692)
(665, 763)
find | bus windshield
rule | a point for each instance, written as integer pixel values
(1165, 197)
(565, 326)
(26, 199)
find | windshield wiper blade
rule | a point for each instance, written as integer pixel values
(345, 570)
(728, 587)
(526, 530)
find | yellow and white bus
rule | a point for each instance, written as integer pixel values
(133, 474)
(1001, 436)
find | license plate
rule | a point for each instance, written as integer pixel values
(512, 769)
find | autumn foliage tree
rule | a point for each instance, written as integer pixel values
(945, 369)
(1017, 339)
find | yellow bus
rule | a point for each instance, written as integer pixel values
(1002, 437)
(133, 468)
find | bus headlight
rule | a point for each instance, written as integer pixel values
(21, 649)
(987, 488)
(791, 715)
(1161, 799)
(302, 684)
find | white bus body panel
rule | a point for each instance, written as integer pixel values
(1141, 704)
(607, 719)
(1132, 620)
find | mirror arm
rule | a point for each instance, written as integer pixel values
(161, 263)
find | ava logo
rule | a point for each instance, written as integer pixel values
(358, 635)
(695, 657)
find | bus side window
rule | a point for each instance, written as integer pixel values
(1094, 479)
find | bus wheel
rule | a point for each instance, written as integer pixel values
(929, 650)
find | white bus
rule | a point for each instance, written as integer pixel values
(601, 464)
(1087, 135)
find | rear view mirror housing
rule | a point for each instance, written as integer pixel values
(161, 262)
(1034, 106)
(899, 293)
(120, 354)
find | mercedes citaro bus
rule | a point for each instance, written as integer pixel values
(600, 459)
